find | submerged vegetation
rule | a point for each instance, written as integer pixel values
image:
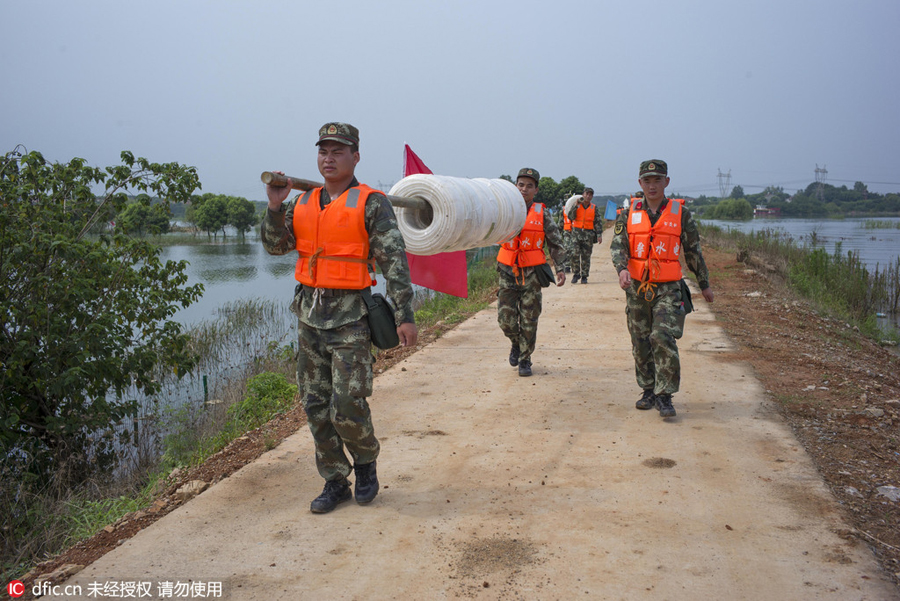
(880, 224)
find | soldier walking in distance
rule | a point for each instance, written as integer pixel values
(337, 232)
(519, 299)
(568, 240)
(648, 241)
(587, 227)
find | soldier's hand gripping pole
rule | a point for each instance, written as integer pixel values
(279, 181)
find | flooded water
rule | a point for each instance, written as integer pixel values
(231, 270)
(875, 246)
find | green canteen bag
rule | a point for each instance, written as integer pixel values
(381, 320)
(686, 298)
(545, 275)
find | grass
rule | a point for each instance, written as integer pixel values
(452, 309)
(268, 394)
(84, 517)
(838, 284)
(43, 522)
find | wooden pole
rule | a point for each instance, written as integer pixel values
(279, 181)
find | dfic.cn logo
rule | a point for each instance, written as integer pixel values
(15, 588)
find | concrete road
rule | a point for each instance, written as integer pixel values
(549, 487)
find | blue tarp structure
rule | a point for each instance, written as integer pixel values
(610, 210)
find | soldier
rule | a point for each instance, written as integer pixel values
(587, 227)
(646, 246)
(568, 239)
(519, 298)
(337, 231)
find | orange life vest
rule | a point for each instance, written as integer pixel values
(526, 249)
(567, 223)
(332, 243)
(584, 218)
(655, 250)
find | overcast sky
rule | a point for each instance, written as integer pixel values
(765, 90)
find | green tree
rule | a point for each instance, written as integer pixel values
(548, 192)
(142, 216)
(567, 187)
(804, 205)
(159, 220)
(84, 318)
(737, 192)
(132, 219)
(212, 215)
(190, 211)
(241, 214)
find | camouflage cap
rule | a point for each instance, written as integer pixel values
(339, 132)
(653, 167)
(586, 190)
(529, 172)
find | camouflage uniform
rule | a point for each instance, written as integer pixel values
(519, 298)
(569, 246)
(583, 241)
(334, 362)
(655, 325)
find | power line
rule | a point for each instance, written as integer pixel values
(865, 182)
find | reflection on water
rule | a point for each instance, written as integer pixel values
(228, 274)
(235, 248)
(231, 271)
(280, 270)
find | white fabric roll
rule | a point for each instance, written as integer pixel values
(571, 202)
(467, 213)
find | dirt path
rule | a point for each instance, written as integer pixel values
(549, 487)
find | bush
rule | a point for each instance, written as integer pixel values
(84, 313)
(731, 209)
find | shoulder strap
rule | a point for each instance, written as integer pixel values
(367, 297)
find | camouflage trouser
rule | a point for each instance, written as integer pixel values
(655, 326)
(568, 247)
(334, 373)
(518, 309)
(582, 246)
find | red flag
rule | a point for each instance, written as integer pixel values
(412, 163)
(443, 272)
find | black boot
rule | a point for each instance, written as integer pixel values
(584, 280)
(366, 482)
(335, 492)
(575, 279)
(514, 355)
(524, 367)
(664, 404)
(647, 400)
